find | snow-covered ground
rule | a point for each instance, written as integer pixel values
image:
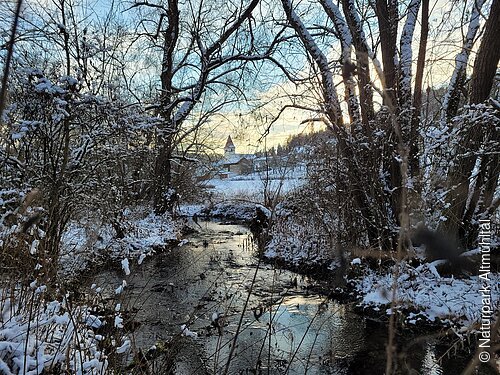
(428, 295)
(144, 233)
(253, 186)
(421, 290)
(38, 331)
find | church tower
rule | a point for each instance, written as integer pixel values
(229, 148)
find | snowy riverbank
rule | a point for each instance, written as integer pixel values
(425, 296)
(45, 327)
(85, 242)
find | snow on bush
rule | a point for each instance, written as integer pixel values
(37, 335)
(428, 295)
(235, 210)
(297, 238)
(39, 331)
(86, 243)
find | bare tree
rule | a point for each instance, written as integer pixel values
(10, 51)
(200, 61)
(365, 165)
(451, 99)
(417, 96)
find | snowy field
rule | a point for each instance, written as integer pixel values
(253, 186)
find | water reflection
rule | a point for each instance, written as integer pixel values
(430, 363)
(284, 329)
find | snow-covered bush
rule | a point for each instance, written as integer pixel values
(42, 330)
(448, 151)
(234, 210)
(299, 234)
(86, 242)
(427, 295)
(82, 152)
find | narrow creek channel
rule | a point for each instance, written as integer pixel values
(287, 325)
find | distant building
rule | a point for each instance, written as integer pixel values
(234, 163)
(229, 148)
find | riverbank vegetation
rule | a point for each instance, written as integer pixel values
(110, 119)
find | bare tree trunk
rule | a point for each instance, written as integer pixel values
(403, 110)
(368, 161)
(58, 207)
(485, 66)
(362, 61)
(488, 55)
(165, 135)
(331, 102)
(387, 16)
(10, 52)
(405, 71)
(345, 37)
(417, 92)
(451, 99)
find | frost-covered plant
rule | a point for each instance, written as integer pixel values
(460, 181)
(40, 333)
(80, 150)
(300, 231)
(20, 233)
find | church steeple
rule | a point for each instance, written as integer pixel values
(229, 147)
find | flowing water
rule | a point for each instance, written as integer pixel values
(217, 287)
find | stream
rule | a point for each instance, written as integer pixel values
(287, 326)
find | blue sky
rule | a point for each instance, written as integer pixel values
(247, 128)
